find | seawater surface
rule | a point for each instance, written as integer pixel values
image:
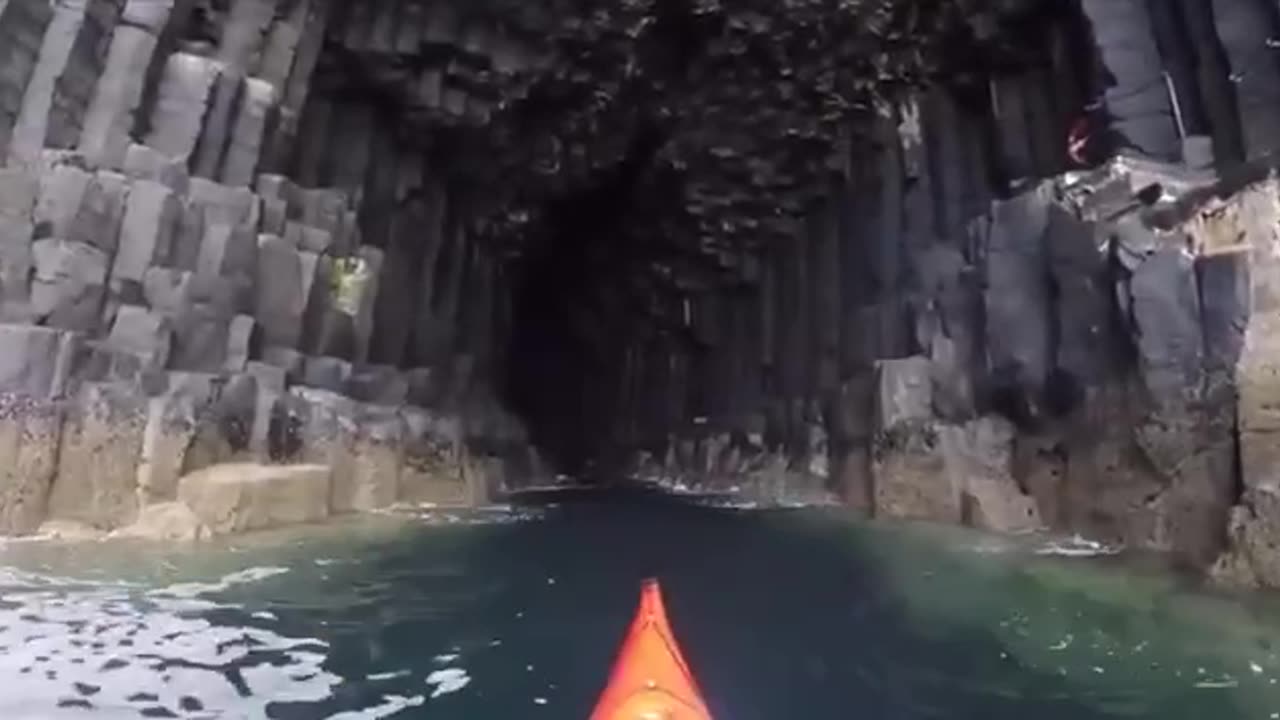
(517, 613)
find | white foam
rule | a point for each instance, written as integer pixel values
(1077, 546)
(127, 641)
(1223, 684)
(494, 515)
(449, 680)
(391, 705)
(196, 589)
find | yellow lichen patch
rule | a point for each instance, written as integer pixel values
(350, 275)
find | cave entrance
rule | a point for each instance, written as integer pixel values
(570, 320)
(624, 224)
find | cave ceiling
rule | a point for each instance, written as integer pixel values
(723, 123)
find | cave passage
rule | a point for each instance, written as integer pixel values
(559, 351)
(693, 230)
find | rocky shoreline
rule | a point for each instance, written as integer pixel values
(235, 293)
(1099, 359)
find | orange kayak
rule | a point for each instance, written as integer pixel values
(650, 678)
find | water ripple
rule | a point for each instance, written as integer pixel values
(120, 650)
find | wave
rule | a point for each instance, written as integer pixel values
(121, 650)
(1078, 546)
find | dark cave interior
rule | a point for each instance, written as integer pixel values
(642, 163)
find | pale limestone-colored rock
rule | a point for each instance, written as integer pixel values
(377, 458)
(173, 419)
(1258, 404)
(105, 138)
(218, 126)
(142, 333)
(910, 478)
(281, 295)
(326, 433)
(1253, 535)
(942, 472)
(277, 187)
(904, 392)
(236, 207)
(281, 47)
(230, 255)
(166, 290)
(311, 239)
(181, 104)
(19, 191)
(275, 216)
(203, 324)
(63, 187)
(244, 152)
(287, 359)
(271, 381)
(148, 230)
(101, 443)
(152, 15)
(433, 460)
(239, 497)
(241, 342)
(69, 38)
(69, 284)
(979, 457)
(311, 19)
(165, 522)
(30, 431)
(244, 33)
(98, 219)
(22, 26)
(223, 432)
(36, 362)
(147, 163)
(70, 531)
(189, 238)
(908, 463)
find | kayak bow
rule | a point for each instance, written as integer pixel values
(651, 679)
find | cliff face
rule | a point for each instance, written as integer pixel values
(999, 263)
(189, 334)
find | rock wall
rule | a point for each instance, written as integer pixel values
(971, 333)
(169, 308)
(245, 276)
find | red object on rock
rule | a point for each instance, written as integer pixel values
(1078, 141)
(651, 679)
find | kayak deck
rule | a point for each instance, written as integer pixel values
(651, 679)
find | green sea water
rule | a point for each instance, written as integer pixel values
(517, 612)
